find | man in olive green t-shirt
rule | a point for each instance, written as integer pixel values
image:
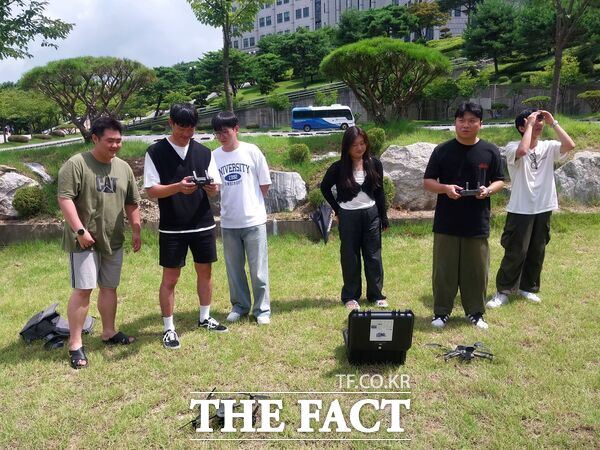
(93, 190)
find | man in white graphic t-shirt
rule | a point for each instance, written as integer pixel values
(245, 176)
(532, 200)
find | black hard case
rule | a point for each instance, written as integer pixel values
(366, 345)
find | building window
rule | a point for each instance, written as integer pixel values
(287, 31)
(279, 18)
(279, 2)
(261, 21)
(252, 42)
(245, 42)
(236, 44)
(286, 16)
(298, 13)
(286, 1)
(457, 12)
(305, 12)
(268, 20)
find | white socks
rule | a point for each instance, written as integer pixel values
(168, 323)
(204, 313)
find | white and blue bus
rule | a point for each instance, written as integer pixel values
(321, 117)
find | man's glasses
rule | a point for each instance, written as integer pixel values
(222, 132)
(534, 161)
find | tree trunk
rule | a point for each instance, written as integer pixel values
(558, 52)
(158, 102)
(226, 83)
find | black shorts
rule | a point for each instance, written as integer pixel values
(174, 246)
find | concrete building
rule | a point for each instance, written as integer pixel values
(287, 16)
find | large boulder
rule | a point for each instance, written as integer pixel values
(287, 191)
(10, 181)
(579, 179)
(38, 169)
(406, 167)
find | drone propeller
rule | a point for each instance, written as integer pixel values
(255, 396)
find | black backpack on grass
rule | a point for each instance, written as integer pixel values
(50, 326)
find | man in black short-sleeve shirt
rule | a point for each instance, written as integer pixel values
(471, 166)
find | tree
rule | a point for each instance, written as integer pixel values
(391, 21)
(447, 90)
(569, 15)
(278, 102)
(240, 70)
(428, 15)
(22, 21)
(223, 14)
(592, 98)
(304, 50)
(384, 72)
(85, 88)
(167, 79)
(467, 7)
(267, 69)
(570, 75)
(535, 28)
(491, 31)
(27, 111)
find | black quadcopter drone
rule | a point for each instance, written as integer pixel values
(220, 413)
(466, 353)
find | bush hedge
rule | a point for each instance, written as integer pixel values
(376, 140)
(18, 138)
(59, 133)
(389, 191)
(315, 197)
(158, 127)
(44, 137)
(29, 201)
(299, 153)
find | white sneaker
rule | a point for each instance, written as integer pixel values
(233, 317)
(499, 299)
(477, 320)
(263, 320)
(440, 320)
(530, 296)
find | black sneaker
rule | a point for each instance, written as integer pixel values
(440, 320)
(212, 325)
(171, 340)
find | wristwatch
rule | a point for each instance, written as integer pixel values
(81, 232)
(554, 123)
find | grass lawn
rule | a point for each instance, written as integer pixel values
(541, 389)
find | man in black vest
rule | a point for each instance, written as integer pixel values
(186, 219)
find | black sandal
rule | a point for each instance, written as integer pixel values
(119, 338)
(78, 358)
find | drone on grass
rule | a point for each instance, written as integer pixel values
(465, 353)
(219, 416)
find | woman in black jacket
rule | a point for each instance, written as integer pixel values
(360, 208)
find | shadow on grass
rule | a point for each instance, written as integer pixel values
(147, 329)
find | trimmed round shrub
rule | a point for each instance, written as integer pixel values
(389, 191)
(299, 153)
(59, 133)
(539, 101)
(252, 126)
(315, 197)
(376, 139)
(44, 137)
(503, 79)
(158, 127)
(18, 138)
(29, 201)
(515, 78)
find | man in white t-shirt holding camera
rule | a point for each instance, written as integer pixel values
(532, 200)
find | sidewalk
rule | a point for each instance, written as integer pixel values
(44, 144)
